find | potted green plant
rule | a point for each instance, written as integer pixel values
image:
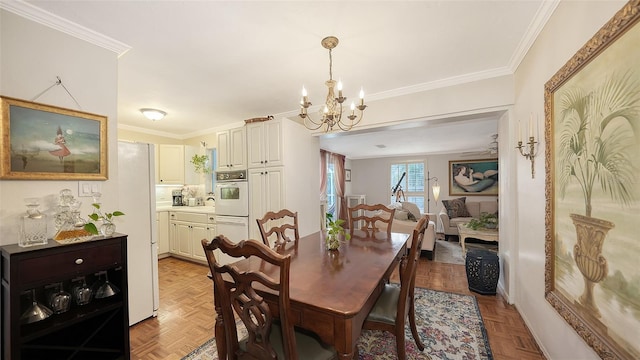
(334, 230)
(486, 220)
(598, 136)
(108, 227)
(200, 163)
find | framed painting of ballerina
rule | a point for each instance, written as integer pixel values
(44, 142)
(473, 177)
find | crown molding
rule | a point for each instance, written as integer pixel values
(56, 22)
(545, 11)
(443, 83)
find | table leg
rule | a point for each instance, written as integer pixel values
(462, 239)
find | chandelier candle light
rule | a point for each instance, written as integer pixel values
(331, 112)
(533, 151)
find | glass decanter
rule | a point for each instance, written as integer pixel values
(34, 226)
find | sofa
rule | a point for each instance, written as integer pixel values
(405, 220)
(453, 213)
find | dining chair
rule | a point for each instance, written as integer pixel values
(372, 216)
(282, 223)
(396, 302)
(270, 335)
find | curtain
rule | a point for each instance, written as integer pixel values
(338, 166)
(323, 175)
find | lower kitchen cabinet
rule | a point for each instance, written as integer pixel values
(97, 329)
(186, 232)
(162, 223)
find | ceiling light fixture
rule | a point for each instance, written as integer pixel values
(331, 113)
(153, 114)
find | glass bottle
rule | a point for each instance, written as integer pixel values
(34, 226)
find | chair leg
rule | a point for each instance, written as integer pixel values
(400, 343)
(414, 329)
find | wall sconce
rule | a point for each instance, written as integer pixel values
(436, 191)
(532, 150)
(153, 114)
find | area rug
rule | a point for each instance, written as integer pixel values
(450, 326)
(448, 252)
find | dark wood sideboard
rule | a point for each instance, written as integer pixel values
(97, 330)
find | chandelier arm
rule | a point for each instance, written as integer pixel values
(318, 125)
(359, 117)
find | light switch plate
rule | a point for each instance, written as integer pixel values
(86, 188)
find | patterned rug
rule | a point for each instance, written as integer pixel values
(450, 326)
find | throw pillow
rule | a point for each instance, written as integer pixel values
(456, 208)
(413, 209)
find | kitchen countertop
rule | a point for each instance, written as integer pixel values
(195, 209)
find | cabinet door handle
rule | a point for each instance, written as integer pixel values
(266, 161)
(79, 261)
(261, 162)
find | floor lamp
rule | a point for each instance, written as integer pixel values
(436, 191)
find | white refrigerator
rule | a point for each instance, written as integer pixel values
(137, 199)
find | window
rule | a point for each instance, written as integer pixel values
(331, 190)
(412, 184)
(212, 166)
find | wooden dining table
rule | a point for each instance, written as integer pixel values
(331, 291)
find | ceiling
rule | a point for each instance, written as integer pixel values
(212, 63)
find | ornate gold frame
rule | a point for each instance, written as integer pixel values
(32, 162)
(595, 336)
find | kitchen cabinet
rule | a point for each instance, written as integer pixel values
(162, 223)
(174, 165)
(96, 330)
(266, 193)
(187, 229)
(264, 144)
(289, 151)
(232, 149)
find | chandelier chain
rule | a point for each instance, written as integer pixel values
(330, 66)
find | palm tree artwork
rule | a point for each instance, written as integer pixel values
(599, 136)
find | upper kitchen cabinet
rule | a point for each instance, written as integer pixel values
(264, 144)
(232, 149)
(174, 166)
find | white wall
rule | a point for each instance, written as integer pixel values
(571, 26)
(31, 56)
(302, 175)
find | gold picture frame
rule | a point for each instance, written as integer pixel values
(45, 142)
(592, 136)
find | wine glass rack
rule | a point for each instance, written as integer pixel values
(96, 330)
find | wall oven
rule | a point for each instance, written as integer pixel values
(232, 193)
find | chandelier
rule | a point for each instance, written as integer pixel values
(330, 114)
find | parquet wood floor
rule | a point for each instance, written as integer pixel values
(186, 316)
